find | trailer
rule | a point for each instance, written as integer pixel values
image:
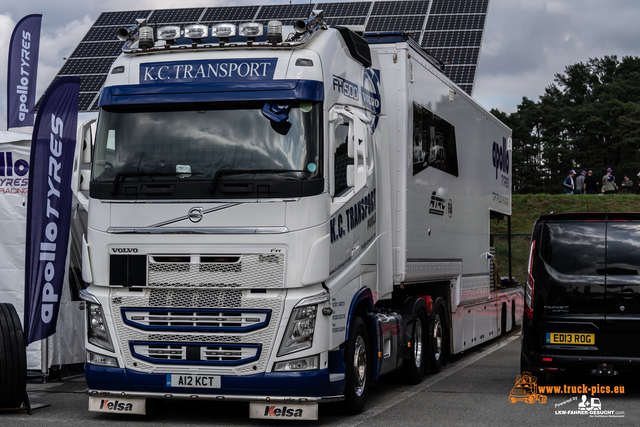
(283, 220)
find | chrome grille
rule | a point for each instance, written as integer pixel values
(206, 320)
(214, 346)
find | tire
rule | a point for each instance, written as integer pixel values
(13, 358)
(357, 360)
(513, 315)
(414, 367)
(524, 367)
(503, 320)
(437, 347)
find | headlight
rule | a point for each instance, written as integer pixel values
(304, 364)
(299, 333)
(97, 331)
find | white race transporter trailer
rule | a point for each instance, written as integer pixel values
(284, 222)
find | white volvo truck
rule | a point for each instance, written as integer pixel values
(282, 222)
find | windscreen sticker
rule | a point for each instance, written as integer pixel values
(208, 71)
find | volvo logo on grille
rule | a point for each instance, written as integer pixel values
(124, 250)
(195, 214)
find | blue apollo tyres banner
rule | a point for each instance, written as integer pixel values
(22, 71)
(49, 206)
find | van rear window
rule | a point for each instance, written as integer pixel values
(574, 247)
(579, 248)
(623, 249)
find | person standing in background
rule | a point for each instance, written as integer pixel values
(568, 183)
(580, 183)
(609, 185)
(590, 184)
(627, 185)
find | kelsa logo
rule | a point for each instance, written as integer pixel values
(124, 250)
(273, 411)
(105, 405)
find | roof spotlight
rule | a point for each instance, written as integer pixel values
(196, 32)
(168, 33)
(223, 32)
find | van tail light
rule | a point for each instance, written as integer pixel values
(528, 293)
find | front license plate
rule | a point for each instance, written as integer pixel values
(283, 411)
(193, 381)
(570, 338)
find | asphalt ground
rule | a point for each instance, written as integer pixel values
(472, 390)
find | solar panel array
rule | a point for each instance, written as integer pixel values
(450, 30)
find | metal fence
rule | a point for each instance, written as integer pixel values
(519, 254)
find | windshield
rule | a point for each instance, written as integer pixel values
(207, 143)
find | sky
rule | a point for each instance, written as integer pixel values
(526, 42)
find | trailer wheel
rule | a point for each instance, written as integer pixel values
(437, 342)
(414, 367)
(13, 358)
(357, 360)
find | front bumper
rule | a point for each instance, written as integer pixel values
(308, 386)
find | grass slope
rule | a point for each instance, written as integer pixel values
(526, 208)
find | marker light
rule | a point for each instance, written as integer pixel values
(274, 32)
(146, 37)
(223, 31)
(250, 29)
(168, 33)
(196, 32)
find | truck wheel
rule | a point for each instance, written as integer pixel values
(437, 342)
(13, 358)
(413, 368)
(357, 359)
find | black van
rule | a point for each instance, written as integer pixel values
(582, 296)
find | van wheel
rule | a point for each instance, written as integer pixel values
(357, 359)
(437, 342)
(413, 368)
(13, 358)
(541, 377)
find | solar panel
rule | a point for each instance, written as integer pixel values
(451, 30)
(400, 7)
(176, 16)
(395, 23)
(459, 6)
(345, 9)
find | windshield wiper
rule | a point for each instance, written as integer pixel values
(121, 175)
(220, 173)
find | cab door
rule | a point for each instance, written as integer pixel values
(623, 288)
